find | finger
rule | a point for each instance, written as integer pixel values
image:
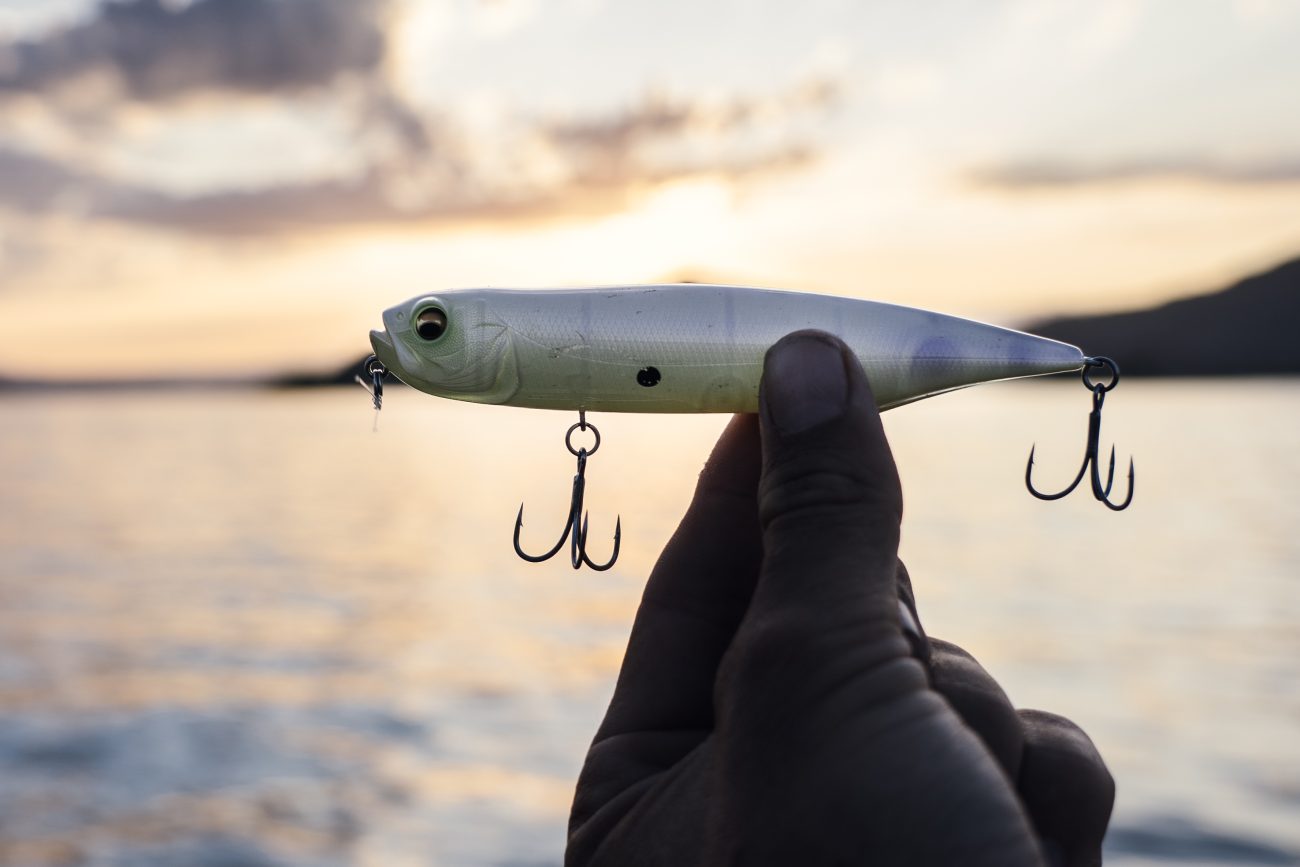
(967, 687)
(662, 705)
(829, 501)
(979, 701)
(1066, 788)
(696, 596)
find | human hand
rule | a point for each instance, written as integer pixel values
(777, 704)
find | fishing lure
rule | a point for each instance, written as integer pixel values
(694, 348)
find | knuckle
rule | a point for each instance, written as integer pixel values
(945, 651)
(763, 648)
(823, 490)
(797, 652)
(778, 652)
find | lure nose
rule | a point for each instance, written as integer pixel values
(395, 355)
(384, 349)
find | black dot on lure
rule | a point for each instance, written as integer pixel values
(648, 376)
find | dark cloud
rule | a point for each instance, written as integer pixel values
(663, 138)
(159, 51)
(294, 207)
(664, 135)
(32, 183)
(613, 140)
(1042, 174)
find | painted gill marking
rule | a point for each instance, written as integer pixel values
(507, 370)
(550, 350)
(571, 348)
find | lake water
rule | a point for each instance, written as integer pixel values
(241, 628)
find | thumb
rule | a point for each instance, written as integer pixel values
(829, 498)
(830, 743)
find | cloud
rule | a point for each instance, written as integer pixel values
(155, 51)
(29, 182)
(663, 137)
(292, 208)
(1032, 174)
(417, 163)
(437, 171)
(22, 251)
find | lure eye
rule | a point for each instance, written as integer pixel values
(431, 323)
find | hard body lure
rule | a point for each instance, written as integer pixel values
(690, 348)
(681, 348)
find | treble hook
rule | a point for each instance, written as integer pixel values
(1100, 491)
(575, 528)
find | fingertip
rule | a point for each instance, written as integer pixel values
(805, 382)
(815, 396)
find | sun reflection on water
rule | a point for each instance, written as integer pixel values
(243, 623)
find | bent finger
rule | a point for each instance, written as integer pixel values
(695, 597)
(980, 702)
(1066, 788)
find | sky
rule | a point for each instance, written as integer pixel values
(240, 187)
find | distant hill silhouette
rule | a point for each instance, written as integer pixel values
(1248, 328)
(339, 376)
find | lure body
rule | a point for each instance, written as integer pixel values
(682, 348)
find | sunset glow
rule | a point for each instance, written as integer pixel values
(196, 201)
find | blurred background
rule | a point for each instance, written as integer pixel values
(239, 627)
